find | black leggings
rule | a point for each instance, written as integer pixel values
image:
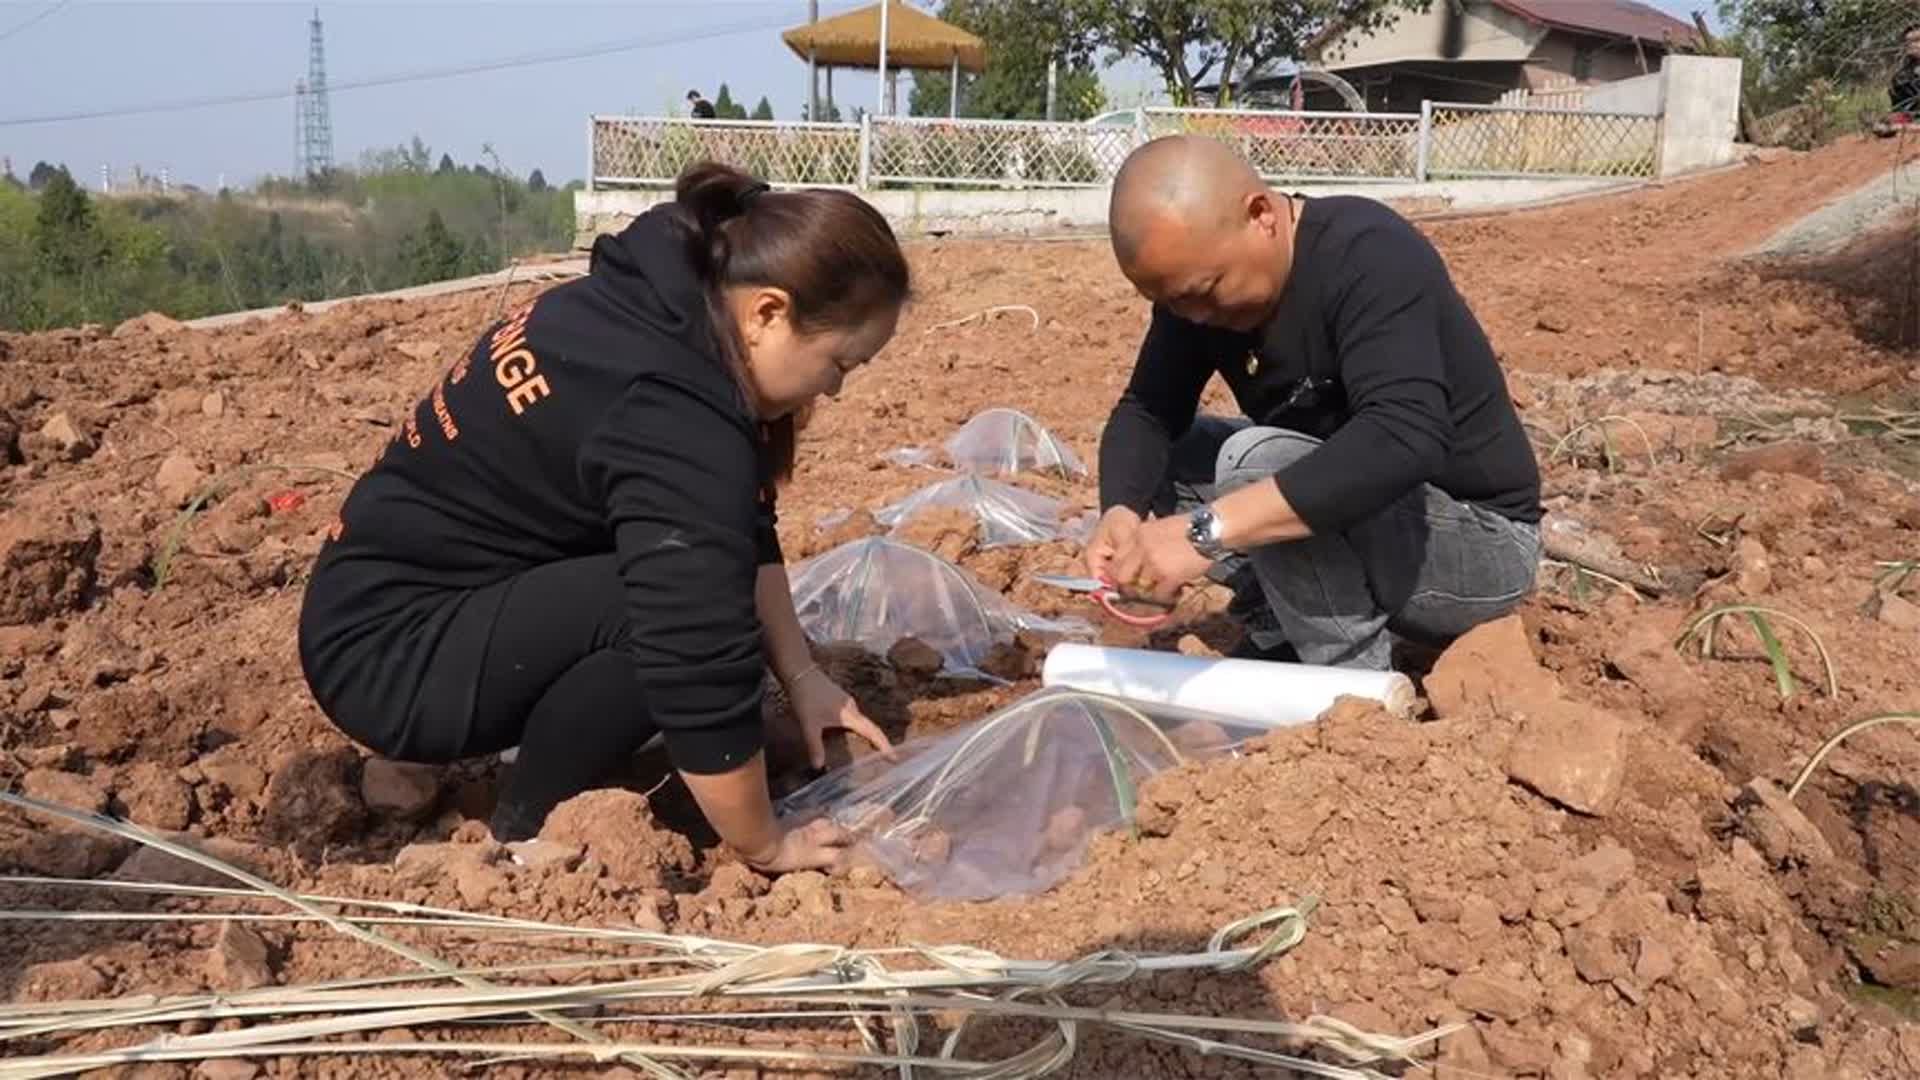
(556, 683)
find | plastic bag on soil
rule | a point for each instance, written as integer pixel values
(1007, 514)
(877, 591)
(1006, 442)
(1008, 805)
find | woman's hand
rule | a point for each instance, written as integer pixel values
(816, 845)
(819, 705)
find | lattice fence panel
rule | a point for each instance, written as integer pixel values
(649, 151)
(1484, 141)
(1297, 145)
(996, 153)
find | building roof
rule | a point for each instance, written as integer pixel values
(914, 40)
(1611, 18)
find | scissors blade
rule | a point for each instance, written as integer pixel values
(1071, 583)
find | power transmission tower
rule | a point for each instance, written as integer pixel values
(311, 111)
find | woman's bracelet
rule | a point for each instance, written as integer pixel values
(810, 669)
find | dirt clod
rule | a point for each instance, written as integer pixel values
(399, 789)
(1491, 666)
(47, 563)
(178, 480)
(65, 789)
(312, 801)
(61, 438)
(617, 829)
(913, 657)
(1573, 754)
(155, 798)
(239, 959)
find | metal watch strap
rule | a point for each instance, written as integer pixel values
(1203, 532)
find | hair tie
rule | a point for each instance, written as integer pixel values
(753, 192)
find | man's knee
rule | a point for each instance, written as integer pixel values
(1257, 452)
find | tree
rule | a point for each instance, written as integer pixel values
(829, 115)
(1021, 36)
(764, 110)
(447, 167)
(434, 253)
(1191, 41)
(64, 228)
(725, 108)
(42, 172)
(1792, 44)
(537, 183)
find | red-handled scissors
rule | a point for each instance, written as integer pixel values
(1109, 597)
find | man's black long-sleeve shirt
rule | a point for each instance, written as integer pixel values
(1905, 90)
(596, 420)
(1371, 349)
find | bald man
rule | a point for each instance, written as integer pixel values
(1378, 485)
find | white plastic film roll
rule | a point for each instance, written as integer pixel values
(1261, 692)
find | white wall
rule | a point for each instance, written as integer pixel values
(1640, 94)
(1038, 211)
(1701, 99)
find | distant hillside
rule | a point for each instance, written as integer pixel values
(68, 257)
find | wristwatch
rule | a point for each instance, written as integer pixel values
(1204, 532)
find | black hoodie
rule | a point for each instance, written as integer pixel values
(595, 420)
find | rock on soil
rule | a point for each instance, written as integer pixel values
(9, 439)
(59, 439)
(913, 657)
(239, 959)
(313, 801)
(65, 789)
(399, 789)
(154, 797)
(152, 864)
(617, 829)
(152, 322)
(1492, 667)
(178, 480)
(47, 563)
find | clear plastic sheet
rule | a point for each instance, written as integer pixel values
(877, 591)
(1007, 806)
(1008, 515)
(1006, 442)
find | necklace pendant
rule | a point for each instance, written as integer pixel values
(1253, 363)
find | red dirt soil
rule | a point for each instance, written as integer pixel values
(1578, 851)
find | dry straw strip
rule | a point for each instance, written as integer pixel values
(796, 982)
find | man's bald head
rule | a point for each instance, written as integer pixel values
(1186, 184)
(1196, 230)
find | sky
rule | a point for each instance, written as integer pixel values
(63, 58)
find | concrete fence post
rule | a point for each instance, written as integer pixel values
(1425, 147)
(866, 151)
(1699, 113)
(592, 129)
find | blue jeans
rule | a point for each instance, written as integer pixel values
(1428, 568)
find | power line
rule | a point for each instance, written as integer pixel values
(423, 75)
(33, 19)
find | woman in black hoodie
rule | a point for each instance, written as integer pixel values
(570, 544)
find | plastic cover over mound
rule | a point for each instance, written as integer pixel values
(1007, 806)
(1006, 442)
(877, 591)
(1007, 514)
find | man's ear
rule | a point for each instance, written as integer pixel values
(1262, 212)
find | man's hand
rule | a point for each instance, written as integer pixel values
(819, 705)
(1157, 561)
(1116, 530)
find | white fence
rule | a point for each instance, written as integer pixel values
(1442, 140)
